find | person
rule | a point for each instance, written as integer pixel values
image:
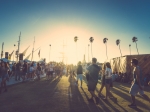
(137, 83)
(79, 73)
(93, 71)
(102, 81)
(47, 71)
(13, 70)
(38, 71)
(31, 71)
(51, 68)
(18, 72)
(108, 81)
(24, 71)
(5, 76)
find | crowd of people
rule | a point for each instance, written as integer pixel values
(31, 71)
(137, 84)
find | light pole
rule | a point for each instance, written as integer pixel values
(49, 52)
(18, 47)
(14, 51)
(88, 52)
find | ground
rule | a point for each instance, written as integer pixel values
(62, 95)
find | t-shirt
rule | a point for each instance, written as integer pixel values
(4, 71)
(79, 69)
(31, 69)
(108, 76)
(93, 72)
(18, 65)
(25, 67)
(51, 67)
(13, 68)
(34, 66)
(39, 68)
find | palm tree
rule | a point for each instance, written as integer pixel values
(75, 40)
(91, 40)
(105, 42)
(134, 39)
(130, 48)
(118, 43)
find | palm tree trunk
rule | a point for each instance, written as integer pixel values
(137, 48)
(106, 50)
(130, 50)
(76, 53)
(91, 50)
(120, 51)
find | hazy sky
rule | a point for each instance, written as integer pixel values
(57, 21)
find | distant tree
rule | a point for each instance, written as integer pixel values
(105, 42)
(75, 40)
(134, 39)
(130, 48)
(118, 44)
(91, 40)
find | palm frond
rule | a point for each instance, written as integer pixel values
(105, 40)
(117, 42)
(91, 39)
(134, 39)
(75, 38)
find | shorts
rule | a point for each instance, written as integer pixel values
(24, 73)
(91, 86)
(108, 81)
(57, 72)
(79, 76)
(5, 76)
(50, 72)
(135, 89)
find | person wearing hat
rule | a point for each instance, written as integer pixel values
(79, 73)
(93, 72)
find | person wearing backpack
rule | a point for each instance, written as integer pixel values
(79, 73)
(93, 71)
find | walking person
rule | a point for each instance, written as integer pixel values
(137, 83)
(38, 71)
(93, 72)
(108, 82)
(47, 71)
(31, 71)
(18, 72)
(79, 73)
(51, 68)
(24, 71)
(13, 70)
(102, 80)
(4, 72)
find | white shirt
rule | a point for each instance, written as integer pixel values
(108, 76)
(51, 68)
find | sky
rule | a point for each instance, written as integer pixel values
(57, 22)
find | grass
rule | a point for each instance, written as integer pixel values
(61, 95)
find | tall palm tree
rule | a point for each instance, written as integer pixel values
(130, 48)
(134, 39)
(118, 43)
(91, 40)
(105, 42)
(75, 40)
